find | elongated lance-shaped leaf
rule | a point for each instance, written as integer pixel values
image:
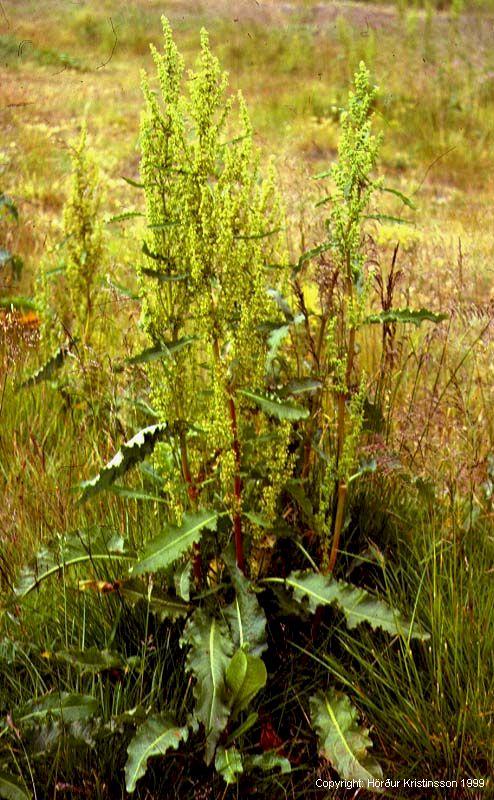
(267, 762)
(91, 660)
(228, 763)
(273, 407)
(405, 315)
(161, 350)
(131, 453)
(48, 369)
(164, 549)
(11, 788)
(341, 740)
(66, 706)
(155, 737)
(301, 386)
(245, 617)
(211, 649)
(163, 605)
(314, 589)
(78, 548)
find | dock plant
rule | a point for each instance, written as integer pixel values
(233, 446)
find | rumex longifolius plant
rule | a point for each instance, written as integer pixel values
(225, 445)
(214, 226)
(67, 292)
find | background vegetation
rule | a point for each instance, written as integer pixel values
(419, 523)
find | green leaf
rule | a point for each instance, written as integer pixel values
(49, 734)
(257, 519)
(131, 453)
(72, 550)
(246, 675)
(277, 408)
(211, 649)
(357, 604)
(164, 606)
(68, 707)
(228, 764)
(125, 216)
(341, 740)
(48, 369)
(133, 183)
(389, 219)
(404, 199)
(245, 617)
(267, 761)
(12, 788)
(123, 290)
(134, 494)
(312, 253)
(275, 339)
(405, 315)
(8, 204)
(182, 580)
(164, 549)
(91, 660)
(161, 350)
(243, 727)
(154, 738)
(301, 386)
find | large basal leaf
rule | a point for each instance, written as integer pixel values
(154, 738)
(91, 660)
(341, 740)
(406, 315)
(49, 734)
(280, 409)
(228, 763)
(246, 675)
(71, 550)
(245, 617)
(211, 649)
(131, 453)
(48, 369)
(267, 762)
(163, 605)
(68, 707)
(164, 549)
(12, 788)
(358, 605)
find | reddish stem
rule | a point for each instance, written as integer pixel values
(237, 490)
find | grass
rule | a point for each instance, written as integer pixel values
(424, 522)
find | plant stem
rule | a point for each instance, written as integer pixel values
(237, 489)
(237, 481)
(338, 525)
(342, 396)
(192, 492)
